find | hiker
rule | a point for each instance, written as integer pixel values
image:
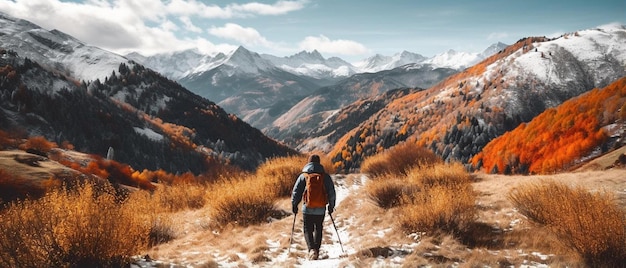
(313, 208)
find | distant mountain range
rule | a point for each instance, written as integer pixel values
(261, 88)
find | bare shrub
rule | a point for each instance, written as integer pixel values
(83, 227)
(398, 160)
(591, 223)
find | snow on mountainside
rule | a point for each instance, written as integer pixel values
(460, 60)
(379, 62)
(174, 65)
(177, 65)
(313, 64)
(57, 50)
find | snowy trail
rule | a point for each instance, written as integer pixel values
(361, 227)
(331, 244)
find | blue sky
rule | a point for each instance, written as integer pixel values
(352, 30)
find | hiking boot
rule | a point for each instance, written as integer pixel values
(314, 254)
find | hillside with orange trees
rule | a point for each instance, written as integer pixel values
(459, 116)
(555, 139)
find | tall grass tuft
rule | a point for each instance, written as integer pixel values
(590, 223)
(281, 173)
(241, 202)
(83, 227)
(398, 160)
(439, 208)
(388, 190)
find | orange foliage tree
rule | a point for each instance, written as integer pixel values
(557, 137)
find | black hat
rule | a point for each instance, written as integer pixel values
(314, 158)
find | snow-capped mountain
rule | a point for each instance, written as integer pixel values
(461, 60)
(57, 49)
(313, 64)
(379, 62)
(493, 49)
(244, 83)
(174, 65)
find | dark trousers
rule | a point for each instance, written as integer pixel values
(313, 230)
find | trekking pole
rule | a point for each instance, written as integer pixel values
(293, 226)
(337, 231)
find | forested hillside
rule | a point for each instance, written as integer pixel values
(150, 122)
(560, 136)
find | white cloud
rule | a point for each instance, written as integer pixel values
(325, 45)
(147, 26)
(189, 25)
(278, 8)
(246, 36)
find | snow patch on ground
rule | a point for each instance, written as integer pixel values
(151, 134)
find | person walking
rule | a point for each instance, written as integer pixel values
(316, 188)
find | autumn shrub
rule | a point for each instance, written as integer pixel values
(177, 197)
(439, 208)
(82, 227)
(446, 175)
(387, 190)
(14, 187)
(5, 140)
(436, 198)
(281, 173)
(591, 223)
(399, 159)
(241, 201)
(39, 144)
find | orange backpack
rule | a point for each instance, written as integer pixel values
(315, 193)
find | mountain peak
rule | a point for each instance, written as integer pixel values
(313, 56)
(247, 61)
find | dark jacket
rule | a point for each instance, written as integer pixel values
(300, 185)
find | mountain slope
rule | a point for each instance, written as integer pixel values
(311, 112)
(559, 136)
(57, 50)
(460, 115)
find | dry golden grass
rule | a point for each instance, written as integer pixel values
(398, 160)
(281, 172)
(241, 201)
(81, 227)
(589, 222)
(177, 197)
(432, 198)
(387, 190)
